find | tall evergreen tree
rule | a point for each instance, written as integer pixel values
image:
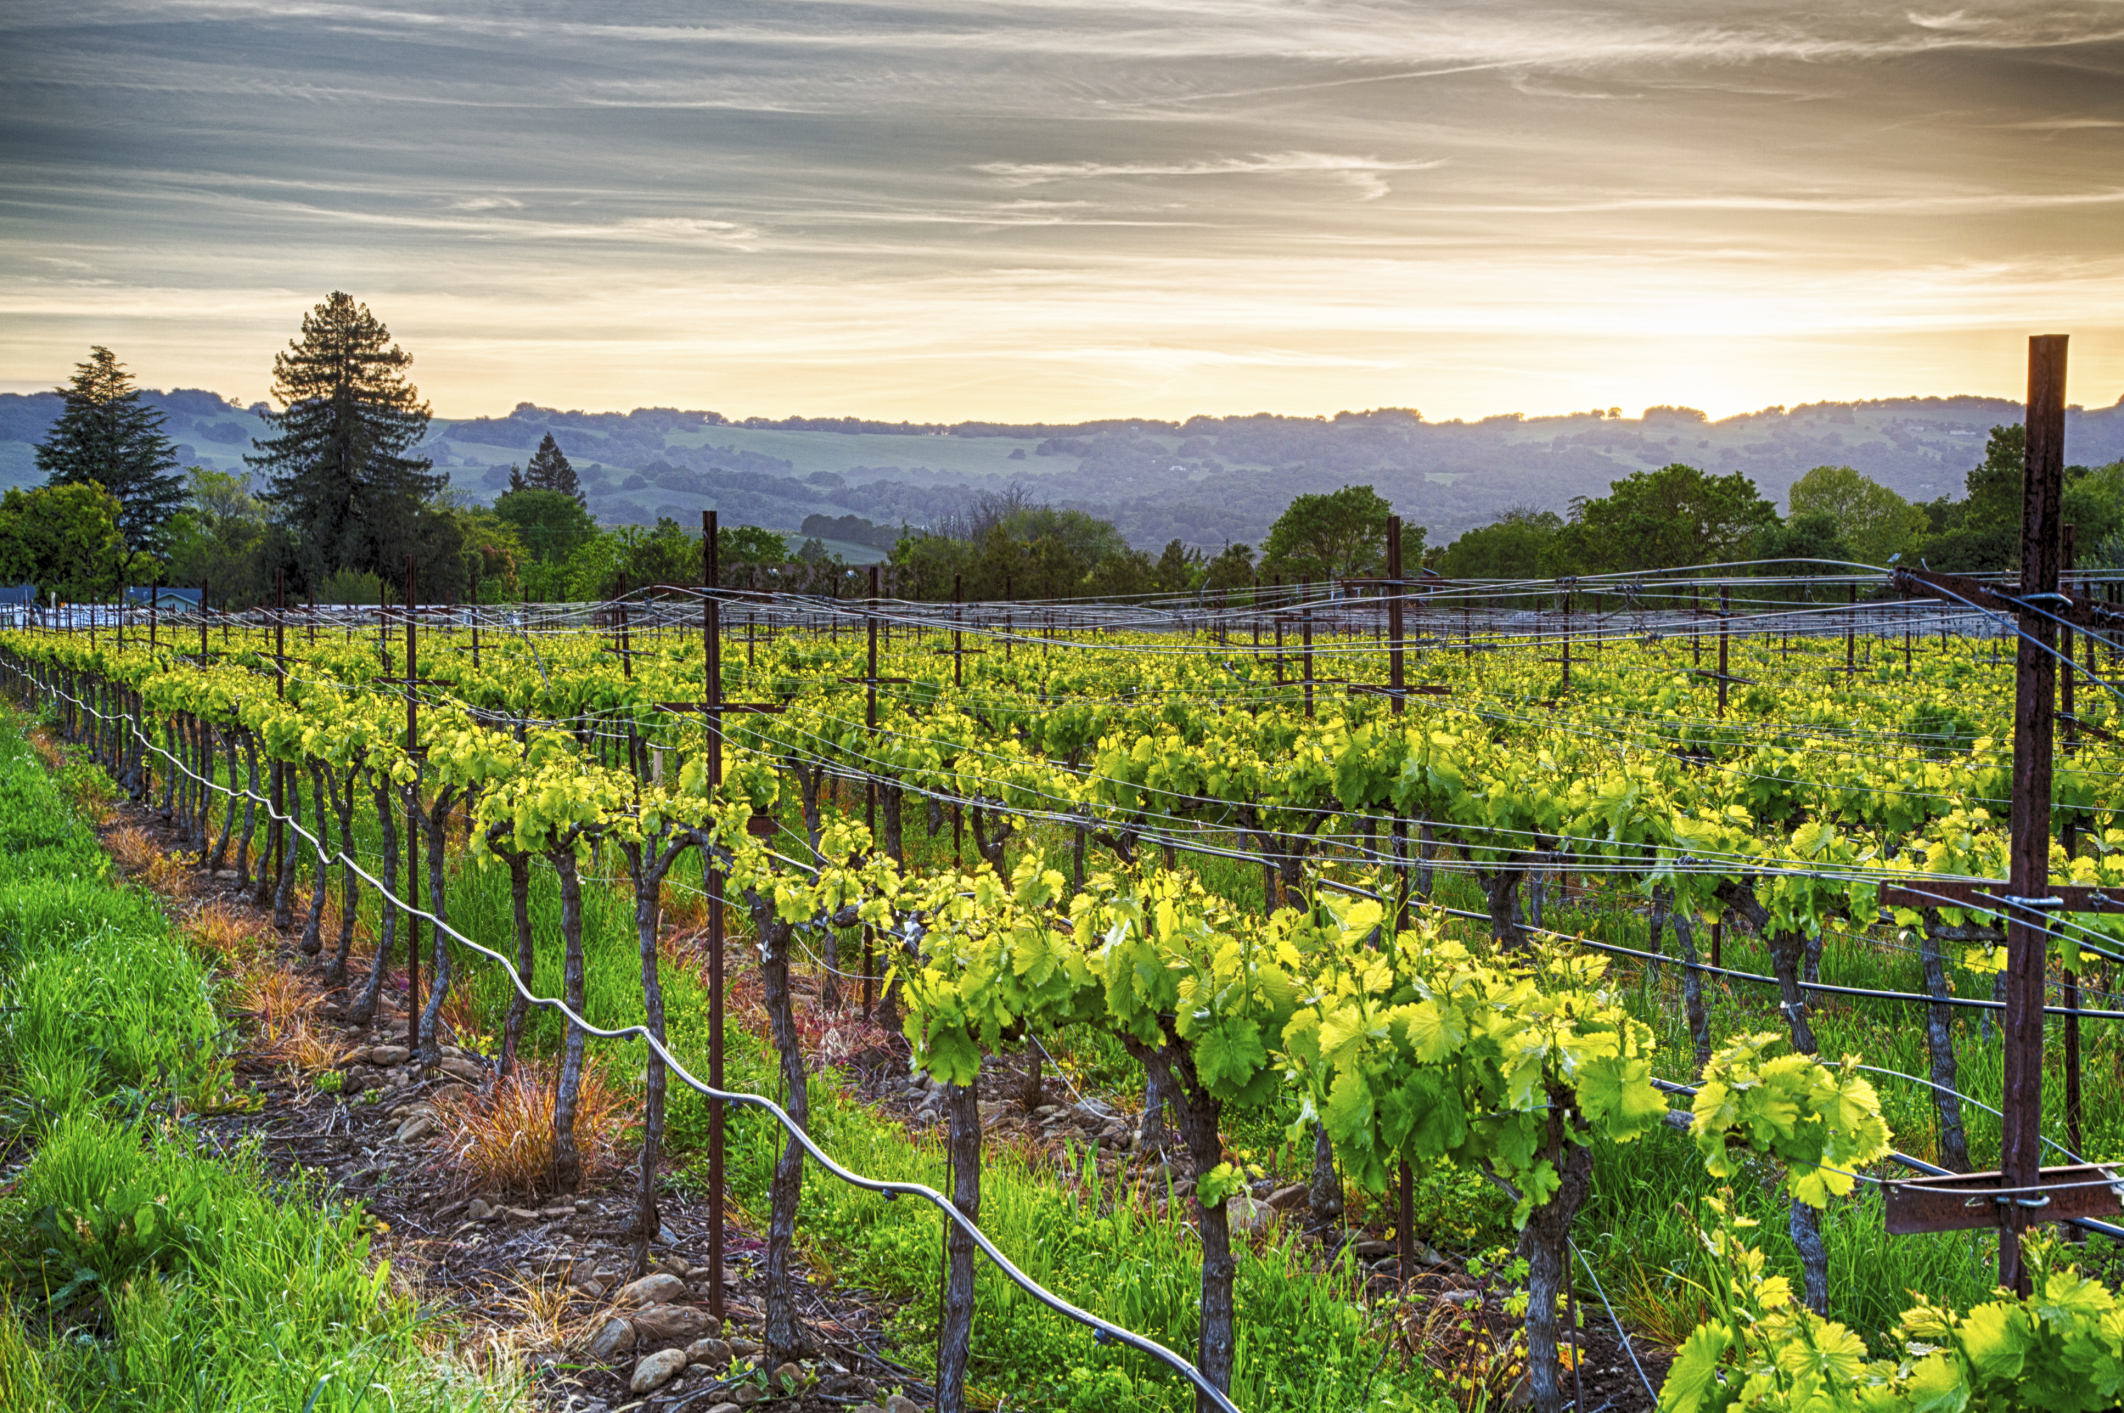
(549, 471)
(338, 473)
(107, 437)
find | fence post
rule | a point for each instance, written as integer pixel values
(712, 716)
(2027, 930)
(412, 821)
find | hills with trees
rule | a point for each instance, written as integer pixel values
(1206, 481)
(357, 473)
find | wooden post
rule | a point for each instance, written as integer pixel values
(2021, 1152)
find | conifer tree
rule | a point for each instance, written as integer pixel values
(516, 479)
(549, 471)
(105, 436)
(338, 472)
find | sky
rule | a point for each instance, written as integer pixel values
(1055, 210)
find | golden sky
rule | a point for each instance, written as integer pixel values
(946, 209)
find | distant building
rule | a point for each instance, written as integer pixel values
(173, 599)
(17, 603)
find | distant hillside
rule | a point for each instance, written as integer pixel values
(1203, 481)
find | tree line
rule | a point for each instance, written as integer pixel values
(1836, 521)
(338, 503)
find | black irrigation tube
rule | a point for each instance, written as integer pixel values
(1103, 1331)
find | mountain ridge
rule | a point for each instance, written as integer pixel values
(1204, 481)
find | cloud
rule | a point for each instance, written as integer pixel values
(1363, 173)
(915, 197)
(2065, 124)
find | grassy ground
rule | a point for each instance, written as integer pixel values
(138, 1271)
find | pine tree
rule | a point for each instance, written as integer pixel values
(107, 437)
(549, 471)
(516, 479)
(338, 472)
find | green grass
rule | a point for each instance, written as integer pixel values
(139, 1270)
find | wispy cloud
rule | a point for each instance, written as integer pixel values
(1366, 174)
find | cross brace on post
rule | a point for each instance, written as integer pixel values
(1970, 1201)
(1998, 895)
(1375, 689)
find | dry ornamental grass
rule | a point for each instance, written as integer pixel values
(502, 1140)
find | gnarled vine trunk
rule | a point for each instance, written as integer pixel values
(364, 1009)
(567, 1157)
(1789, 952)
(526, 957)
(1200, 1114)
(313, 928)
(784, 1336)
(433, 824)
(1545, 1243)
(1939, 1043)
(962, 1112)
(349, 883)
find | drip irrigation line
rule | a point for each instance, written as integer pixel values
(1105, 1330)
(1964, 1098)
(1620, 1333)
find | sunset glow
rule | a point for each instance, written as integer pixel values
(1058, 211)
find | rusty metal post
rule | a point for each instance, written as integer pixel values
(2021, 1152)
(1405, 1217)
(413, 850)
(870, 781)
(280, 636)
(1851, 635)
(1305, 594)
(1725, 601)
(1567, 639)
(712, 717)
(2075, 1137)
